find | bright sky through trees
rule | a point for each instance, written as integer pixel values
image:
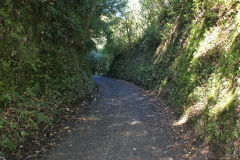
(134, 5)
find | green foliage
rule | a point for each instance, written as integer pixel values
(43, 63)
(189, 54)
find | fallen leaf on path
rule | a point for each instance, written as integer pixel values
(65, 128)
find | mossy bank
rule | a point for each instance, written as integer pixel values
(191, 57)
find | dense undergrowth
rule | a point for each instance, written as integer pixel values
(43, 65)
(190, 56)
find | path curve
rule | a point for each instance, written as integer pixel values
(126, 124)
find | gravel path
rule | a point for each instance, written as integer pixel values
(127, 124)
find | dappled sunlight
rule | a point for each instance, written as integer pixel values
(119, 115)
(163, 47)
(161, 86)
(182, 120)
(142, 133)
(216, 41)
(115, 125)
(211, 40)
(215, 97)
(91, 118)
(226, 101)
(217, 94)
(115, 102)
(220, 95)
(238, 21)
(124, 123)
(127, 134)
(111, 115)
(134, 133)
(134, 122)
(191, 112)
(150, 115)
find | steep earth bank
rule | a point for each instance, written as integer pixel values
(194, 65)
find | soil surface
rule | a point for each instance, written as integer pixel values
(127, 123)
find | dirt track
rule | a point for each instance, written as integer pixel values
(126, 123)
